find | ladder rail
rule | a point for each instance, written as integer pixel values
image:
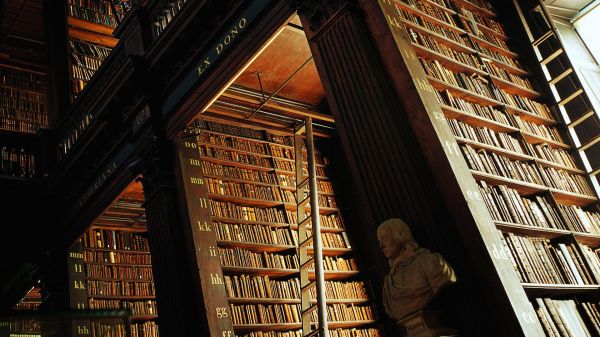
(305, 261)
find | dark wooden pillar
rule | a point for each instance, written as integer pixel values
(179, 301)
(399, 165)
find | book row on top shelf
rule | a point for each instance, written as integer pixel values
(98, 11)
(252, 206)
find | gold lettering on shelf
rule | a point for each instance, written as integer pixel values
(78, 285)
(203, 202)
(80, 305)
(228, 333)
(203, 226)
(190, 145)
(393, 21)
(78, 268)
(76, 255)
(194, 162)
(221, 312)
(215, 279)
(500, 252)
(83, 330)
(197, 181)
(212, 250)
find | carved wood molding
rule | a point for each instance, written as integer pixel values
(318, 11)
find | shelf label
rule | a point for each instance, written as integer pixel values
(212, 251)
(78, 268)
(215, 279)
(529, 317)
(500, 252)
(440, 117)
(203, 202)
(228, 333)
(194, 162)
(190, 145)
(83, 330)
(221, 312)
(204, 226)
(474, 195)
(197, 181)
(452, 148)
(78, 285)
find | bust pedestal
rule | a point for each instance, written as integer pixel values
(426, 323)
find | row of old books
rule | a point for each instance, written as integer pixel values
(327, 220)
(323, 199)
(481, 33)
(145, 329)
(138, 308)
(505, 204)
(253, 233)
(23, 100)
(432, 44)
(434, 28)
(86, 58)
(539, 260)
(247, 213)
(485, 135)
(120, 288)
(476, 84)
(22, 79)
(16, 162)
(23, 105)
(245, 190)
(233, 156)
(369, 332)
(115, 239)
(431, 10)
(235, 172)
(97, 11)
(290, 313)
(500, 165)
(247, 286)
(567, 318)
(93, 257)
(119, 272)
(508, 76)
(238, 257)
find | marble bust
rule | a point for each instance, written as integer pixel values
(416, 276)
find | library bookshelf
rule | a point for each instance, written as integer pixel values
(534, 188)
(111, 267)
(247, 179)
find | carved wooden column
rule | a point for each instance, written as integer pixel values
(399, 165)
(180, 308)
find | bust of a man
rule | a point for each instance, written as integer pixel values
(416, 274)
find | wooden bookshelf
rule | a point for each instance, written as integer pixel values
(256, 237)
(23, 108)
(111, 265)
(532, 186)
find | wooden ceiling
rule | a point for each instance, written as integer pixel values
(279, 87)
(126, 210)
(22, 34)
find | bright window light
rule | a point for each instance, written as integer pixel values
(588, 27)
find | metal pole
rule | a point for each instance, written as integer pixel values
(316, 231)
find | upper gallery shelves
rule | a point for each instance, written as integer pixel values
(278, 87)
